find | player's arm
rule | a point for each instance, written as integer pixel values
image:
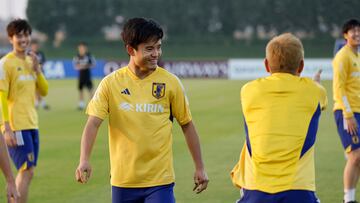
(76, 64)
(83, 171)
(192, 139)
(323, 96)
(340, 66)
(6, 169)
(41, 83)
(8, 133)
(93, 61)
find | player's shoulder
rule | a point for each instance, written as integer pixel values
(254, 84)
(311, 85)
(121, 72)
(344, 52)
(166, 75)
(7, 59)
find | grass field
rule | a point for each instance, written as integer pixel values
(216, 111)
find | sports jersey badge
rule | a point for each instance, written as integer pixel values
(355, 139)
(158, 90)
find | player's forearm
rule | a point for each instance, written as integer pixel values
(88, 137)
(193, 142)
(4, 161)
(42, 84)
(343, 100)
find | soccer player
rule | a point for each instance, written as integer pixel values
(281, 115)
(83, 62)
(346, 89)
(11, 191)
(35, 47)
(141, 101)
(20, 78)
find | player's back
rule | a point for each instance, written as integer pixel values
(281, 118)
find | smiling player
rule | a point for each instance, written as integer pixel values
(141, 101)
(20, 78)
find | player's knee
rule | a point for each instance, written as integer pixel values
(28, 173)
(354, 157)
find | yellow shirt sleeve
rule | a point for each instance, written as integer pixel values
(4, 105)
(340, 69)
(4, 75)
(42, 84)
(180, 105)
(99, 104)
(323, 97)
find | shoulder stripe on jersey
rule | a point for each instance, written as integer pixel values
(312, 130)
(247, 138)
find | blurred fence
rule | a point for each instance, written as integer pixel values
(243, 69)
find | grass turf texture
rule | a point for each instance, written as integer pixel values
(216, 112)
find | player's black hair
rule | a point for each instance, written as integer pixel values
(350, 24)
(18, 25)
(82, 43)
(140, 30)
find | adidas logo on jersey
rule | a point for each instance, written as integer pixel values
(126, 91)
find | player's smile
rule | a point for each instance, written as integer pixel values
(21, 41)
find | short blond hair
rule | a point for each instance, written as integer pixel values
(284, 53)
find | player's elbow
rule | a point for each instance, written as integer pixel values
(44, 91)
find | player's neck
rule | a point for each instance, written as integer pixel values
(354, 48)
(19, 54)
(140, 72)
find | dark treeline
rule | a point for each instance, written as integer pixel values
(241, 19)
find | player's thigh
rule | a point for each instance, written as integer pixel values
(160, 194)
(349, 142)
(25, 154)
(300, 196)
(293, 196)
(127, 195)
(255, 196)
(89, 84)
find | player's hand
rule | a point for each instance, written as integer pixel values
(36, 65)
(83, 172)
(352, 126)
(317, 75)
(201, 181)
(12, 193)
(10, 138)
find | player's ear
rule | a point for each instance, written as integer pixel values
(301, 67)
(267, 67)
(130, 50)
(10, 40)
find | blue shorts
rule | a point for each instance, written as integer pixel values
(156, 194)
(293, 196)
(348, 141)
(27, 149)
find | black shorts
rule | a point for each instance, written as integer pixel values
(85, 82)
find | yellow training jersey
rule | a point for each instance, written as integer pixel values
(346, 82)
(140, 123)
(19, 80)
(281, 115)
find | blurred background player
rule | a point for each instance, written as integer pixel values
(140, 137)
(21, 77)
(281, 115)
(35, 48)
(346, 90)
(11, 192)
(83, 62)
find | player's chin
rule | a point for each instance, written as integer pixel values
(152, 66)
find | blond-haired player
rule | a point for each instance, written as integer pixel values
(281, 115)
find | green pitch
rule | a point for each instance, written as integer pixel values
(216, 111)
